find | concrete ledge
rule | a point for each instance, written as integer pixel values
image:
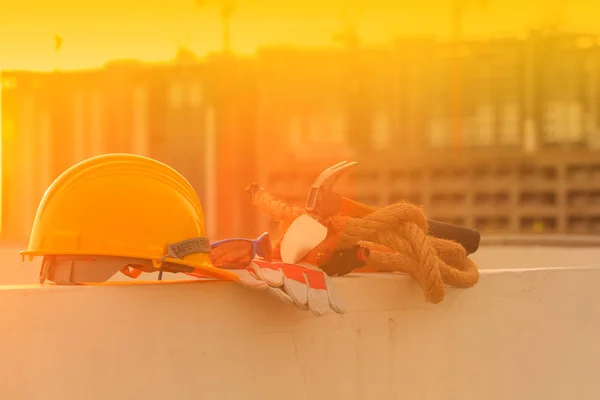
(542, 239)
(532, 256)
(519, 334)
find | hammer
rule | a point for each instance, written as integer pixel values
(324, 202)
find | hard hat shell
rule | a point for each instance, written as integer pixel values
(122, 205)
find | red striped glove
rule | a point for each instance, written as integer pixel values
(303, 285)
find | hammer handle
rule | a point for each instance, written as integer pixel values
(466, 237)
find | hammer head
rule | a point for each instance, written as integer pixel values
(325, 182)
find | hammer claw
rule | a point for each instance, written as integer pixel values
(329, 176)
(325, 182)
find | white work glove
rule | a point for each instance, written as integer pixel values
(303, 285)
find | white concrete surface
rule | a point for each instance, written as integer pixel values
(517, 257)
(570, 240)
(519, 334)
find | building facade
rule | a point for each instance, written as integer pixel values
(497, 134)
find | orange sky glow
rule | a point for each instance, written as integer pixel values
(95, 31)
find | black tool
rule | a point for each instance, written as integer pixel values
(344, 261)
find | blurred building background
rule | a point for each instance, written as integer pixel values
(502, 134)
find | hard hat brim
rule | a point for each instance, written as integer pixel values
(209, 271)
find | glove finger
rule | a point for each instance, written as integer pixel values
(298, 291)
(273, 277)
(280, 294)
(318, 279)
(318, 301)
(247, 279)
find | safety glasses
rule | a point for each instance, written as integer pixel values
(238, 253)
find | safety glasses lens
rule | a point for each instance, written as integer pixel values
(232, 255)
